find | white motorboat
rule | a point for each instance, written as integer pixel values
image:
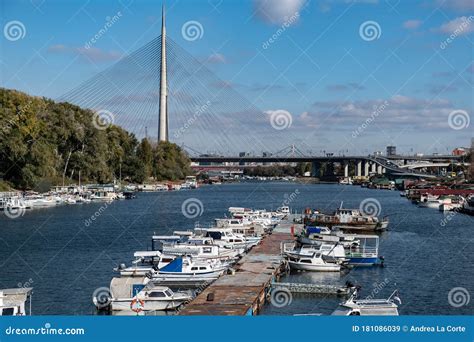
(468, 206)
(40, 201)
(144, 262)
(329, 250)
(132, 295)
(451, 203)
(14, 204)
(187, 271)
(240, 227)
(369, 307)
(201, 248)
(285, 210)
(314, 263)
(13, 301)
(227, 238)
(432, 202)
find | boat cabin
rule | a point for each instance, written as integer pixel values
(13, 301)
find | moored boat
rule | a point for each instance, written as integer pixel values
(368, 307)
(314, 263)
(13, 301)
(349, 219)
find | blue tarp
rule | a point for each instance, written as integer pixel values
(313, 230)
(175, 266)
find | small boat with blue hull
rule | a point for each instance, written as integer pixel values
(366, 252)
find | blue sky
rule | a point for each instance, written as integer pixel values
(319, 70)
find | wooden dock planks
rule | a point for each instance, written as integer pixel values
(243, 292)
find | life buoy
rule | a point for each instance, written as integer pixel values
(137, 308)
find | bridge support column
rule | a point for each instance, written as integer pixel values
(346, 170)
(384, 170)
(359, 168)
(366, 168)
(379, 169)
(373, 166)
(316, 169)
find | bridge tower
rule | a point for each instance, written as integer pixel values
(163, 115)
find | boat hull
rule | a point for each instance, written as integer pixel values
(315, 268)
(149, 305)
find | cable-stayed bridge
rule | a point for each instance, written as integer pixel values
(161, 92)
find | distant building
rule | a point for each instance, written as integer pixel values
(460, 151)
(391, 151)
(243, 155)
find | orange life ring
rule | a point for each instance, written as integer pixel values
(139, 308)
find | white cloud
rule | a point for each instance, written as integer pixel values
(395, 113)
(458, 5)
(458, 26)
(412, 24)
(217, 58)
(277, 11)
(92, 54)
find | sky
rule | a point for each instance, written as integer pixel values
(341, 76)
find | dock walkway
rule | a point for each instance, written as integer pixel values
(244, 292)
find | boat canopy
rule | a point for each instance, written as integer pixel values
(166, 237)
(144, 254)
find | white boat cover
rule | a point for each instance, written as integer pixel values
(122, 287)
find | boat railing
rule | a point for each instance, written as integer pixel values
(363, 250)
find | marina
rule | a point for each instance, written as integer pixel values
(257, 272)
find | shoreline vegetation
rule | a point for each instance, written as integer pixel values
(46, 143)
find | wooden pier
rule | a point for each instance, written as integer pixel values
(244, 292)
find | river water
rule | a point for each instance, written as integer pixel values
(65, 255)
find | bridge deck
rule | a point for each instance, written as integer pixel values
(244, 292)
